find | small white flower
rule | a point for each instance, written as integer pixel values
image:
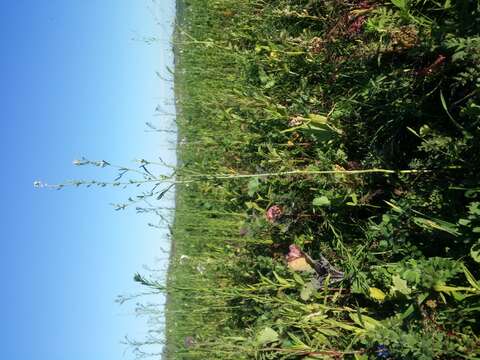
(201, 269)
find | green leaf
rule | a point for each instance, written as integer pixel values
(472, 281)
(445, 107)
(253, 205)
(361, 357)
(401, 4)
(307, 291)
(281, 280)
(424, 130)
(318, 119)
(377, 294)
(412, 276)
(329, 332)
(266, 336)
(298, 279)
(354, 201)
(365, 322)
(436, 224)
(270, 83)
(253, 186)
(400, 285)
(475, 252)
(458, 296)
(321, 201)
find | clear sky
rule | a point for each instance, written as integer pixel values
(77, 80)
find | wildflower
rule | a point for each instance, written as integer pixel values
(274, 213)
(183, 258)
(297, 261)
(316, 45)
(201, 269)
(295, 121)
(302, 262)
(382, 352)
(356, 25)
(432, 304)
(189, 341)
(294, 253)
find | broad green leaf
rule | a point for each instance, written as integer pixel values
(377, 294)
(266, 336)
(270, 83)
(307, 291)
(321, 201)
(475, 252)
(318, 119)
(400, 285)
(401, 4)
(458, 296)
(411, 275)
(297, 342)
(364, 321)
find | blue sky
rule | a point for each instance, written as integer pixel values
(77, 80)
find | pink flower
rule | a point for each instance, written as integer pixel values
(274, 213)
(294, 253)
(356, 25)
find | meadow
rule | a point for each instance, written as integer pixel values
(328, 193)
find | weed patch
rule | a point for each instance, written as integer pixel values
(339, 133)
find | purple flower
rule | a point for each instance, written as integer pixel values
(382, 352)
(274, 213)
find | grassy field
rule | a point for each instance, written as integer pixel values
(328, 203)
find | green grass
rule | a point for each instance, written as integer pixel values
(366, 119)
